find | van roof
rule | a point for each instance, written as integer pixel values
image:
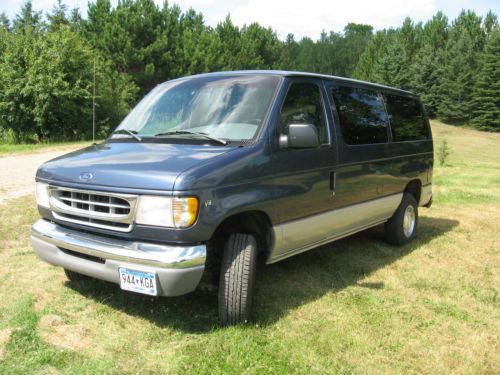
(291, 73)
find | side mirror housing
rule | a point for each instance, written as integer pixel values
(300, 136)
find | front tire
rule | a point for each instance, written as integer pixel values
(402, 226)
(237, 279)
(74, 276)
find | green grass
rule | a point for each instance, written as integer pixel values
(27, 351)
(8, 149)
(472, 172)
(355, 306)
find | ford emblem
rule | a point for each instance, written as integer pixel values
(85, 176)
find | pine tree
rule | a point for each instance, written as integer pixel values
(28, 19)
(57, 17)
(325, 54)
(490, 22)
(350, 47)
(458, 80)
(260, 48)
(75, 20)
(460, 68)
(369, 60)
(435, 31)
(486, 97)
(391, 68)
(229, 44)
(195, 44)
(307, 59)
(425, 77)
(4, 21)
(289, 53)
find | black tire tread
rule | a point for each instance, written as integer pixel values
(74, 276)
(237, 279)
(394, 233)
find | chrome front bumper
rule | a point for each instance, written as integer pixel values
(178, 268)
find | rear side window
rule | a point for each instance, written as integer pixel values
(303, 105)
(363, 119)
(406, 118)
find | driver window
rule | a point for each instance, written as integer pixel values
(303, 105)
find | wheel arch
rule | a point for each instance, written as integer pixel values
(414, 187)
(254, 222)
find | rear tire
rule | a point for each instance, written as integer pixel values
(402, 226)
(237, 279)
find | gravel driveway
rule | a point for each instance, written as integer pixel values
(18, 172)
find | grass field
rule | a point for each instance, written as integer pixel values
(356, 306)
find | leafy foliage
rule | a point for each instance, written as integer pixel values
(447, 65)
(46, 79)
(46, 62)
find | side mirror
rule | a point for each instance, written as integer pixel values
(300, 136)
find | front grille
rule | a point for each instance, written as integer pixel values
(92, 208)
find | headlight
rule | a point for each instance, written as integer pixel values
(166, 211)
(42, 195)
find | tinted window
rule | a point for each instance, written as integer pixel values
(406, 118)
(303, 105)
(362, 115)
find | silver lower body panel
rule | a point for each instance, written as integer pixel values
(304, 234)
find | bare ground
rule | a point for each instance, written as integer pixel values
(18, 172)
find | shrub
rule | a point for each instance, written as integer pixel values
(443, 152)
(46, 80)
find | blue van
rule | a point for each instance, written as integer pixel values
(210, 173)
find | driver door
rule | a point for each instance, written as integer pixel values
(304, 179)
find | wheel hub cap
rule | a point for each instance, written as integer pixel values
(409, 221)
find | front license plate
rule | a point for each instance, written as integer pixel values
(138, 281)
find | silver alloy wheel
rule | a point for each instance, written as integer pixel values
(409, 221)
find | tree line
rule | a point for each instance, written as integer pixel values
(47, 62)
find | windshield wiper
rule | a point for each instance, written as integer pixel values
(132, 133)
(205, 135)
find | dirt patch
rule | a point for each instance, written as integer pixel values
(50, 321)
(4, 339)
(48, 370)
(55, 331)
(19, 172)
(42, 298)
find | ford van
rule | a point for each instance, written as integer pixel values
(209, 175)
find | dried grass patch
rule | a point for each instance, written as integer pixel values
(4, 339)
(55, 331)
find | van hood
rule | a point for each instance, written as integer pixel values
(148, 166)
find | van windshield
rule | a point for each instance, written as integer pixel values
(223, 108)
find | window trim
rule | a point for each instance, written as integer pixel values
(316, 82)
